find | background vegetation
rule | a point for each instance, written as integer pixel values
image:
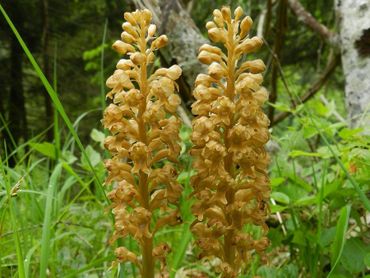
(54, 216)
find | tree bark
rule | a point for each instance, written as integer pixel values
(184, 39)
(355, 49)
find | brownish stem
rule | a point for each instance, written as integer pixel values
(147, 243)
(229, 250)
(278, 45)
(307, 18)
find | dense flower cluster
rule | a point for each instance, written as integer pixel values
(229, 133)
(144, 143)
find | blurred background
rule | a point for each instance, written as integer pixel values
(66, 37)
(318, 74)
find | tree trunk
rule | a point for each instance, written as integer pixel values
(355, 48)
(184, 38)
(17, 110)
(46, 67)
(278, 45)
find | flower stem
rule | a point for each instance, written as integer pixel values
(229, 249)
(147, 243)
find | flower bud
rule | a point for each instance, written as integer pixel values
(217, 13)
(250, 45)
(147, 15)
(137, 58)
(218, 19)
(174, 72)
(226, 13)
(151, 30)
(216, 71)
(130, 29)
(126, 37)
(216, 34)
(210, 24)
(207, 58)
(238, 13)
(122, 47)
(124, 64)
(210, 48)
(160, 42)
(255, 66)
(130, 18)
(150, 58)
(203, 79)
(245, 26)
(204, 57)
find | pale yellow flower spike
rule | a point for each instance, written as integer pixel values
(144, 130)
(229, 133)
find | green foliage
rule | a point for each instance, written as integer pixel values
(314, 194)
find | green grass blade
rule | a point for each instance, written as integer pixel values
(58, 105)
(12, 212)
(340, 237)
(5, 125)
(48, 213)
(356, 186)
(28, 259)
(181, 249)
(55, 112)
(186, 235)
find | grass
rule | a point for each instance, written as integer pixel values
(10, 191)
(53, 95)
(48, 215)
(49, 212)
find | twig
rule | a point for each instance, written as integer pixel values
(332, 64)
(307, 18)
(278, 45)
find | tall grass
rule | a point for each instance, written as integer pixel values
(50, 209)
(9, 201)
(53, 95)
